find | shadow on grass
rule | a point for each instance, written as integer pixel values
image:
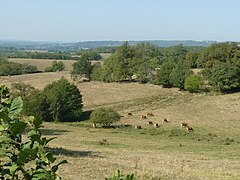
(71, 153)
(53, 131)
(85, 115)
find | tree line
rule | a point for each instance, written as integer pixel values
(93, 55)
(170, 67)
(12, 68)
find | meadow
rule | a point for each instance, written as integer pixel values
(211, 151)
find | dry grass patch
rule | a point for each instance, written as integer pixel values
(43, 63)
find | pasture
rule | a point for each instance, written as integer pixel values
(211, 151)
(42, 63)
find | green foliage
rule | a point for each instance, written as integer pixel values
(64, 99)
(36, 104)
(194, 83)
(23, 159)
(177, 53)
(56, 66)
(179, 74)
(163, 74)
(105, 116)
(97, 72)
(11, 68)
(91, 55)
(41, 55)
(82, 68)
(21, 89)
(140, 60)
(191, 58)
(224, 77)
(223, 52)
(119, 176)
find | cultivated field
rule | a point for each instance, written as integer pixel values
(167, 152)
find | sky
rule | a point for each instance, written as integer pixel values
(90, 20)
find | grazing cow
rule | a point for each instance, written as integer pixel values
(184, 124)
(166, 121)
(138, 127)
(189, 128)
(129, 114)
(150, 122)
(94, 125)
(156, 125)
(144, 117)
(150, 114)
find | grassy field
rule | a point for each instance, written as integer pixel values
(211, 151)
(42, 63)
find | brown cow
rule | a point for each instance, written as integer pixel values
(156, 125)
(184, 124)
(129, 114)
(150, 114)
(144, 117)
(150, 122)
(138, 127)
(189, 128)
(166, 121)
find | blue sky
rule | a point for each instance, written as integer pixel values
(81, 20)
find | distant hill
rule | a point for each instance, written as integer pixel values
(76, 46)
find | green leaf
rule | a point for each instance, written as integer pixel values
(46, 141)
(18, 128)
(14, 168)
(4, 117)
(16, 107)
(55, 168)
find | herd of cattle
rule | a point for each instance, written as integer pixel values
(156, 125)
(150, 114)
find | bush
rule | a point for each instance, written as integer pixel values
(105, 116)
(194, 83)
(119, 176)
(56, 66)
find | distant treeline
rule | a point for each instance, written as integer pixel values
(78, 46)
(169, 67)
(12, 53)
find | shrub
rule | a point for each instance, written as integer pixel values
(105, 116)
(194, 83)
(119, 176)
(56, 66)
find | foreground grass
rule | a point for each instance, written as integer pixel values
(168, 152)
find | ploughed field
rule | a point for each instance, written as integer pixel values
(211, 151)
